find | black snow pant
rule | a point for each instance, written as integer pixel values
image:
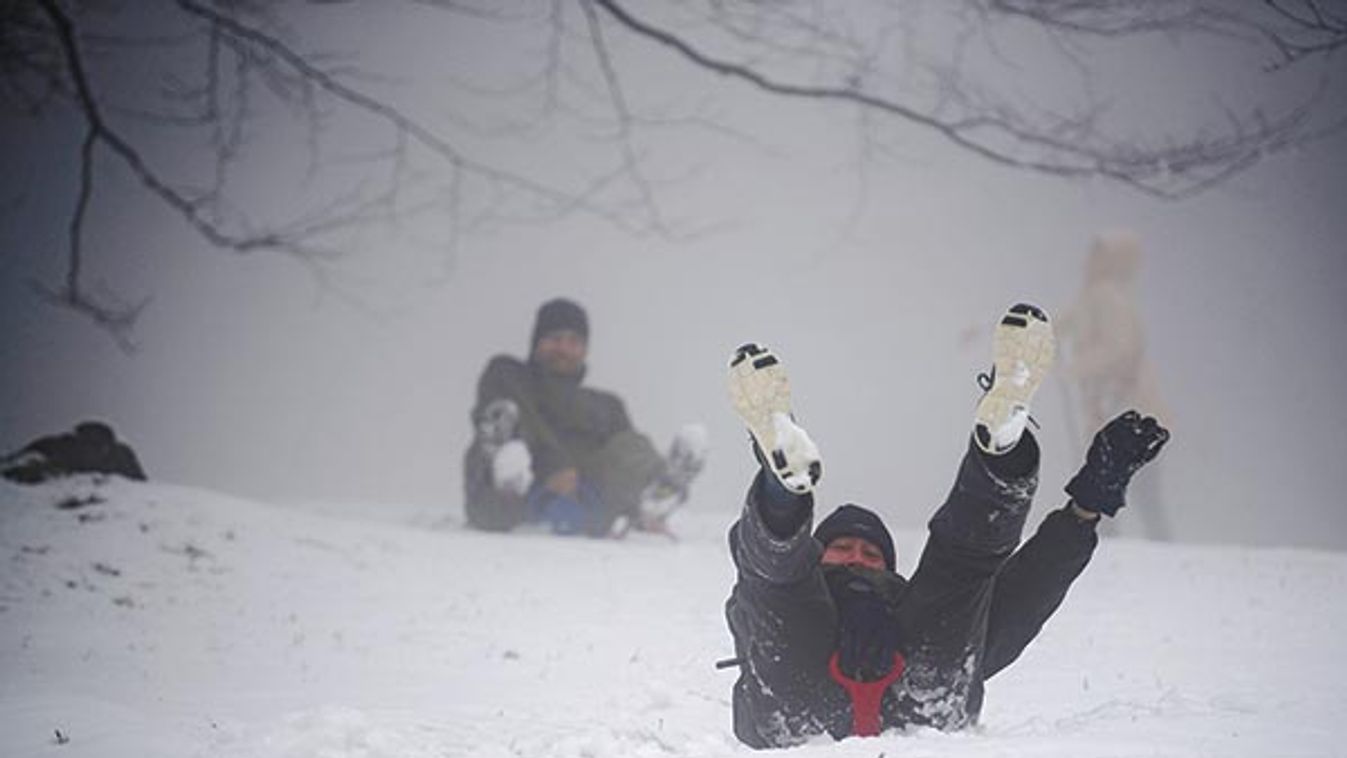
(974, 602)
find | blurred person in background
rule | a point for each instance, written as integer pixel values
(1105, 367)
(549, 450)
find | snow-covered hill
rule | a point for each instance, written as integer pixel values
(166, 621)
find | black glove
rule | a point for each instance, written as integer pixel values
(1124, 445)
(867, 637)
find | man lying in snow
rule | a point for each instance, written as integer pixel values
(548, 449)
(829, 639)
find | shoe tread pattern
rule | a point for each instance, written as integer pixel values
(1023, 338)
(759, 389)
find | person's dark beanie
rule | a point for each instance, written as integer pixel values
(854, 521)
(556, 315)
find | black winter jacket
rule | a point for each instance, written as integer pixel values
(563, 423)
(561, 419)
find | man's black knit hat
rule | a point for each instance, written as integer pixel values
(558, 314)
(854, 521)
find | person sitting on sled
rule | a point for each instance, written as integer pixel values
(829, 638)
(546, 448)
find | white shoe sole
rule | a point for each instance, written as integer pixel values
(760, 393)
(1022, 353)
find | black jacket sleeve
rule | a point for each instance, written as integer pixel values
(486, 507)
(1033, 583)
(508, 377)
(783, 621)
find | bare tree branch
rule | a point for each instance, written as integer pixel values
(1119, 18)
(119, 320)
(1170, 172)
(1298, 29)
(1314, 30)
(630, 163)
(393, 116)
(579, 78)
(99, 132)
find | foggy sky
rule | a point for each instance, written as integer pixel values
(863, 269)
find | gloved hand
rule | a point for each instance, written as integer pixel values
(497, 422)
(867, 637)
(512, 468)
(1124, 445)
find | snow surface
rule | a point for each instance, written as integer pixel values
(170, 621)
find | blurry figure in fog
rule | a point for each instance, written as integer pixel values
(92, 448)
(1105, 365)
(548, 449)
